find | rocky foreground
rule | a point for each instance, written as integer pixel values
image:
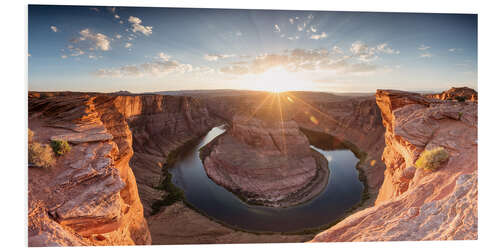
(413, 203)
(102, 191)
(266, 162)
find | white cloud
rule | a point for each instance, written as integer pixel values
(98, 40)
(117, 16)
(138, 27)
(64, 56)
(293, 38)
(277, 28)
(290, 20)
(337, 50)
(313, 29)
(215, 57)
(128, 45)
(238, 33)
(361, 51)
(321, 36)
(300, 60)
(76, 52)
(426, 55)
(384, 47)
(301, 27)
(118, 36)
(53, 28)
(154, 68)
(162, 56)
(423, 47)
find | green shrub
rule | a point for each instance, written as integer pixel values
(40, 155)
(432, 159)
(60, 147)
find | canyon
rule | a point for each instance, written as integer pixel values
(103, 191)
(266, 162)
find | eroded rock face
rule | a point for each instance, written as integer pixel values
(158, 125)
(90, 197)
(415, 204)
(463, 93)
(355, 119)
(268, 163)
(93, 192)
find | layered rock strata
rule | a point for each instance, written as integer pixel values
(90, 197)
(353, 120)
(413, 203)
(266, 162)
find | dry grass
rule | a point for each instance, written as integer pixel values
(41, 155)
(432, 159)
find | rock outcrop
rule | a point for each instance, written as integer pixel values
(90, 197)
(267, 162)
(115, 139)
(463, 93)
(413, 203)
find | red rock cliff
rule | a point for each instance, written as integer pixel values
(115, 139)
(90, 197)
(413, 203)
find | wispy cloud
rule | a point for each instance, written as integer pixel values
(98, 40)
(216, 57)
(138, 27)
(159, 67)
(424, 47)
(54, 28)
(384, 47)
(277, 28)
(128, 45)
(320, 36)
(426, 55)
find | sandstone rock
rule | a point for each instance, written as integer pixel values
(418, 204)
(90, 196)
(454, 94)
(268, 163)
(178, 224)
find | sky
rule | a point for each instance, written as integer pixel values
(141, 49)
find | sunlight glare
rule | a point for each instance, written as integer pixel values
(278, 80)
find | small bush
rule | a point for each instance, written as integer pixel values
(40, 155)
(460, 98)
(31, 134)
(432, 159)
(60, 147)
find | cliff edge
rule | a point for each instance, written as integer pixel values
(414, 203)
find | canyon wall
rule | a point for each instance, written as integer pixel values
(90, 197)
(355, 120)
(158, 124)
(413, 203)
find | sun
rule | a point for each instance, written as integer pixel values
(278, 80)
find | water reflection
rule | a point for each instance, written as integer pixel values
(342, 192)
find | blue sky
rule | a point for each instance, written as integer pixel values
(108, 49)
